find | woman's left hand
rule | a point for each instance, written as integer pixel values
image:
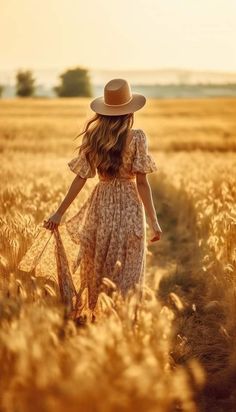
(53, 221)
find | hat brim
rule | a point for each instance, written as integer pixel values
(136, 103)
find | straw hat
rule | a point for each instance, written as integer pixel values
(118, 99)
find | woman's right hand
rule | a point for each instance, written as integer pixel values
(155, 231)
(53, 221)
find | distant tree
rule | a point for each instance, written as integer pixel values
(25, 83)
(1, 90)
(74, 82)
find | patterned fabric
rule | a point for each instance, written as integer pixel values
(81, 165)
(105, 239)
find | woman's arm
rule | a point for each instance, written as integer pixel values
(73, 191)
(145, 193)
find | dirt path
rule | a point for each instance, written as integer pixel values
(175, 266)
(175, 259)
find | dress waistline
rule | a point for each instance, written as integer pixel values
(111, 179)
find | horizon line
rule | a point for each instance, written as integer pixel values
(163, 68)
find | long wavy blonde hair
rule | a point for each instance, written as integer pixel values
(104, 139)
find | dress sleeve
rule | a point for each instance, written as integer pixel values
(80, 165)
(143, 162)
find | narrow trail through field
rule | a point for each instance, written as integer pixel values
(174, 266)
(175, 258)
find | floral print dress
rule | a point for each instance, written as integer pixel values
(106, 238)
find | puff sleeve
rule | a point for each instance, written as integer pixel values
(143, 162)
(80, 166)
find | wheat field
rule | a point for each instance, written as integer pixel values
(180, 354)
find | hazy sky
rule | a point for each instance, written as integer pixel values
(118, 34)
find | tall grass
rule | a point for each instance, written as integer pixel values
(182, 345)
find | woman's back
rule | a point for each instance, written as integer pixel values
(135, 158)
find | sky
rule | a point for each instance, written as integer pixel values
(118, 34)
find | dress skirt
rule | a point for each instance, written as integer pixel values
(105, 239)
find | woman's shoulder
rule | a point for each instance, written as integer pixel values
(139, 134)
(135, 137)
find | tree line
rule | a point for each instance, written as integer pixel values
(72, 83)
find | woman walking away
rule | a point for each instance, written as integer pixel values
(109, 230)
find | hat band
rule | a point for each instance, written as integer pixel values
(118, 105)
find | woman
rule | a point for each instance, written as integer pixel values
(110, 227)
